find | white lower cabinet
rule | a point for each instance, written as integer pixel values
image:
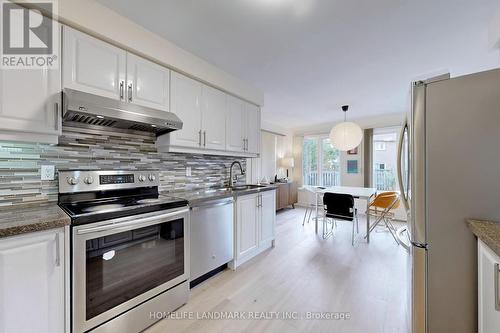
(489, 289)
(255, 217)
(32, 283)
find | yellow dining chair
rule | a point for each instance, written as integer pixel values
(382, 209)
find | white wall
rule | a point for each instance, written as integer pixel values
(95, 19)
(391, 119)
(268, 155)
(494, 31)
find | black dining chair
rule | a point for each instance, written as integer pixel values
(339, 206)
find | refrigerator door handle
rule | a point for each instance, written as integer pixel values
(418, 232)
(404, 195)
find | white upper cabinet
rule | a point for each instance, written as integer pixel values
(147, 83)
(185, 103)
(93, 66)
(32, 283)
(243, 127)
(235, 125)
(252, 129)
(30, 108)
(213, 115)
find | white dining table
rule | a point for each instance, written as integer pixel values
(363, 193)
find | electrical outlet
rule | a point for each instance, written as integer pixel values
(188, 171)
(48, 172)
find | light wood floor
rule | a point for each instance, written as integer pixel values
(305, 273)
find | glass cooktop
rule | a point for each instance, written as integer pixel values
(99, 210)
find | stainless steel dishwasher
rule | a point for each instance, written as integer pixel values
(212, 237)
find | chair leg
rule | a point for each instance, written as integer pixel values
(390, 226)
(327, 233)
(310, 213)
(305, 215)
(352, 234)
(357, 223)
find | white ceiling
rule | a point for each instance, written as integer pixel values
(311, 56)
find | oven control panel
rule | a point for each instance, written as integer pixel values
(100, 180)
(116, 179)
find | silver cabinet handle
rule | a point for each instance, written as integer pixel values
(130, 92)
(129, 224)
(204, 138)
(56, 116)
(58, 251)
(122, 83)
(199, 138)
(497, 287)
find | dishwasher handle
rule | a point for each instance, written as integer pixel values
(212, 203)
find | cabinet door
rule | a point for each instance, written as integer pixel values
(247, 225)
(236, 127)
(293, 195)
(185, 103)
(489, 293)
(252, 128)
(30, 102)
(284, 192)
(213, 116)
(147, 83)
(267, 216)
(32, 283)
(92, 66)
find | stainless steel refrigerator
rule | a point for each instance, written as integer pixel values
(449, 171)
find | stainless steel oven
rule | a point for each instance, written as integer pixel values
(121, 263)
(127, 267)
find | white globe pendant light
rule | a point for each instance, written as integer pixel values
(346, 135)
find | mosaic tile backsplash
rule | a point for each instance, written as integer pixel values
(81, 148)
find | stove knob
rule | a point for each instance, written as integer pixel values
(73, 180)
(141, 178)
(88, 180)
(151, 177)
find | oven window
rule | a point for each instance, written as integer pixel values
(124, 265)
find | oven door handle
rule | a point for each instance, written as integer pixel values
(135, 223)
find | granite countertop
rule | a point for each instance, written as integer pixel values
(488, 232)
(197, 196)
(17, 220)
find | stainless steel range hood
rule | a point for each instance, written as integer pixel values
(92, 110)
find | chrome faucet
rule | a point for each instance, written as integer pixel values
(231, 172)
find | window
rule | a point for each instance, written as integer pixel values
(310, 161)
(327, 171)
(384, 158)
(380, 146)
